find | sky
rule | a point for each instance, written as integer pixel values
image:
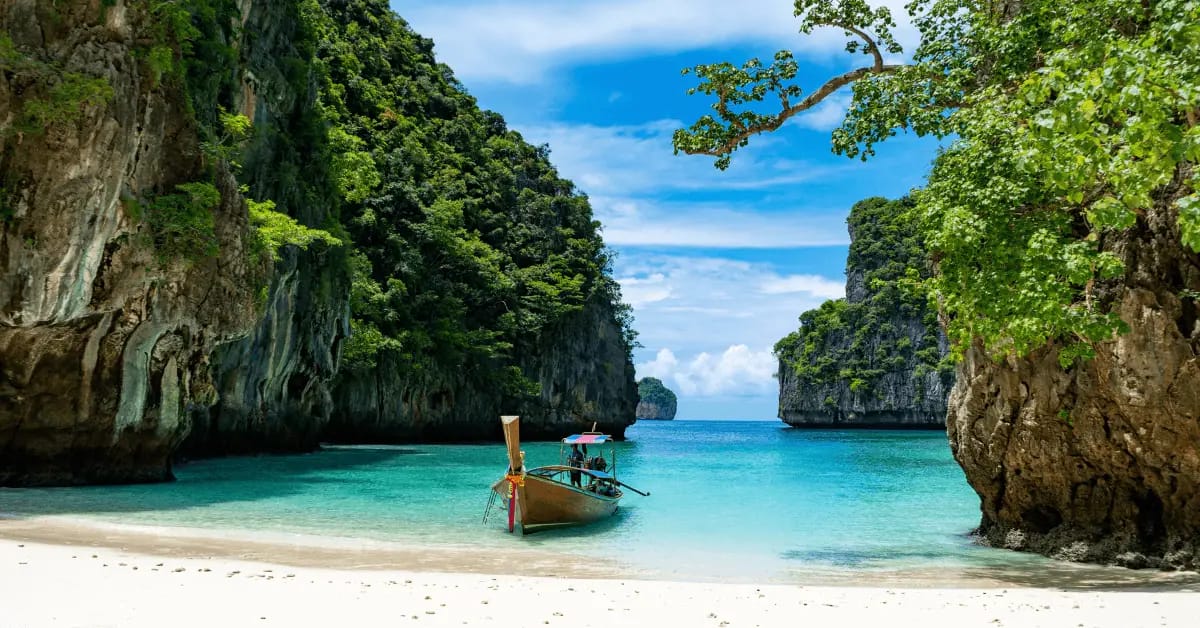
(717, 265)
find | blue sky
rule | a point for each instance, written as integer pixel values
(717, 265)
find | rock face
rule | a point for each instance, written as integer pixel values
(109, 353)
(116, 356)
(582, 370)
(898, 400)
(656, 401)
(275, 385)
(102, 345)
(872, 359)
(1100, 462)
(480, 272)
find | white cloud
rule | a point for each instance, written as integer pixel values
(638, 292)
(520, 41)
(827, 115)
(815, 285)
(631, 159)
(517, 42)
(721, 312)
(623, 169)
(738, 370)
(743, 225)
(710, 303)
(662, 366)
(768, 198)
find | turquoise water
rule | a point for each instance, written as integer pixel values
(729, 500)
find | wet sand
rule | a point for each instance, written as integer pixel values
(299, 550)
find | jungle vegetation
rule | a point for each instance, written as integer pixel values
(857, 339)
(652, 390)
(463, 245)
(467, 245)
(1066, 123)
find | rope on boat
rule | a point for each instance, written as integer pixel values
(487, 512)
(513, 480)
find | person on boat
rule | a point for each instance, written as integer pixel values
(575, 461)
(598, 463)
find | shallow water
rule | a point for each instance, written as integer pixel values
(736, 501)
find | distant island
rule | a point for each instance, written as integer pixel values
(655, 400)
(874, 358)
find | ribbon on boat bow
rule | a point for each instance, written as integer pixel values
(514, 480)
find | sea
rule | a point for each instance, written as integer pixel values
(738, 501)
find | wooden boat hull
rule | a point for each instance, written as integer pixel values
(543, 502)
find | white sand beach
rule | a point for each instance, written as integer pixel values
(123, 581)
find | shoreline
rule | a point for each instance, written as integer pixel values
(91, 585)
(359, 555)
(296, 550)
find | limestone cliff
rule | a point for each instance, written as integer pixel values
(655, 400)
(1098, 462)
(481, 282)
(104, 340)
(274, 385)
(113, 341)
(583, 377)
(874, 358)
(141, 315)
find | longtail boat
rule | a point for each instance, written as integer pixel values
(577, 490)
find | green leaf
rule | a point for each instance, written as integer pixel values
(1189, 220)
(1109, 213)
(274, 230)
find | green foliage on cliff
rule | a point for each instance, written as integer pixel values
(1070, 121)
(227, 144)
(858, 341)
(274, 230)
(53, 96)
(64, 102)
(652, 389)
(194, 41)
(471, 251)
(467, 252)
(181, 224)
(194, 48)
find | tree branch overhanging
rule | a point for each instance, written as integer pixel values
(872, 47)
(787, 110)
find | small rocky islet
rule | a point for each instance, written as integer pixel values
(656, 402)
(876, 358)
